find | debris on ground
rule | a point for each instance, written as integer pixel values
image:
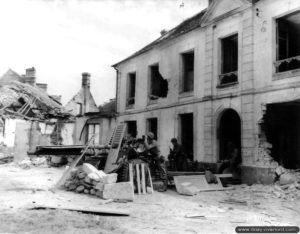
(25, 164)
(234, 201)
(191, 185)
(87, 179)
(6, 159)
(95, 211)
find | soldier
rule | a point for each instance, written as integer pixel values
(177, 155)
(153, 151)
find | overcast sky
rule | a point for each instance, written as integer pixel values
(63, 38)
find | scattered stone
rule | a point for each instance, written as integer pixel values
(25, 164)
(120, 191)
(94, 176)
(81, 175)
(100, 186)
(72, 187)
(99, 193)
(88, 169)
(287, 178)
(80, 189)
(56, 159)
(93, 192)
(86, 191)
(110, 178)
(279, 171)
(188, 189)
(88, 180)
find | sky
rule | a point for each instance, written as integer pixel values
(63, 38)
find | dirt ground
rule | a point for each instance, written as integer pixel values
(157, 213)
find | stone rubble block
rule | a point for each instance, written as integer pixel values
(187, 189)
(287, 178)
(92, 171)
(100, 186)
(118, 191)
(110, 178)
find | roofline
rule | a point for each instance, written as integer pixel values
(139, 52)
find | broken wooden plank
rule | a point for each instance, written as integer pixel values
(138, 178)
(199, 182)
(190, 173)
(96, 211)
(195, 216)
(150, 178)
(143, 178)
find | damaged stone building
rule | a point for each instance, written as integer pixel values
(28, 115)
(231, 73)
(89, 119)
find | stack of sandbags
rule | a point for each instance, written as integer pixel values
(87, 179)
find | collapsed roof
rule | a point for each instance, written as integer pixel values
(29, 102)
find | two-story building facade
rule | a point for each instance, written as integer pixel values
(230, 74)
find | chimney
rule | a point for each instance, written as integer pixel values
(29, 77)
(42, 86)
(86, 80)
(163, 32)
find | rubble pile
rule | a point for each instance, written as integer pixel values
(286, 177)
(87, 179)
(263, 155)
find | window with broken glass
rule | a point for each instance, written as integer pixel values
(187, 72)
(229, 61)
(288, 46)
(131, 79)
(158, 85)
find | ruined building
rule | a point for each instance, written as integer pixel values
(231, 73)
(28, 115)
(89, 119)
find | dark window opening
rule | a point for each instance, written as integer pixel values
(281, 126)
(131, 89)
(79, 110)
(288, 46)
(152, 126)
(188, 72)
(187, 134)
(229, 134)
(229, 60)
(158, 85)
(2, 126)
(131, 128)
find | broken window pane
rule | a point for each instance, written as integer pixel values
(188, 72)
(158, 85)
(131, 89)
(288, 47)
(229, 60)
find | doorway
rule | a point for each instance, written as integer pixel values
(229, 133)
(187, 134)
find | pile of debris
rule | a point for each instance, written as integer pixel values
(263, 155)
(87, 179)
(287, 177)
